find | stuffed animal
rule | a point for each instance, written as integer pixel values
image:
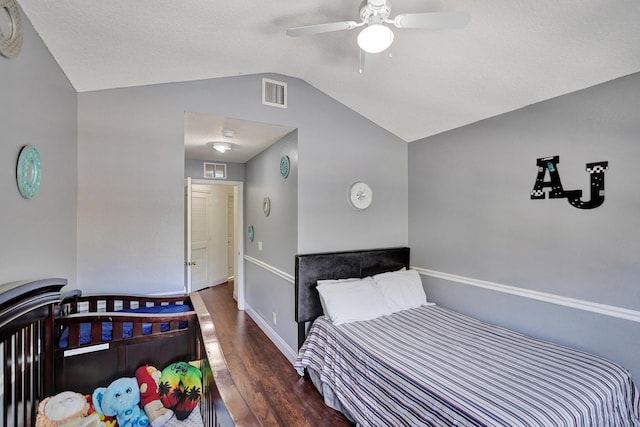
(122, 399)
(148, 378)
(66, 409)
(180, 388)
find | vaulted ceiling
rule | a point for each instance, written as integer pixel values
(511, 54)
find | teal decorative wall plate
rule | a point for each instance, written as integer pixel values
(29, 172)
(250, 233)
(285, 166)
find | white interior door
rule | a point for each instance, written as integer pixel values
(201, 202)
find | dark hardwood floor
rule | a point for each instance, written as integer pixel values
(262, 374)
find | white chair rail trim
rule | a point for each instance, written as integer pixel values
(286, 276)
(607, 310)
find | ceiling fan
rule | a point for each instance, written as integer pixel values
(377, 36)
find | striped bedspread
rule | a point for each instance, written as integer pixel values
(432, 366)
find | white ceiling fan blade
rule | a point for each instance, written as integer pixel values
(321, 28)
(432, 20)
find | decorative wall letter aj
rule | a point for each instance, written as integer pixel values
(550, 164)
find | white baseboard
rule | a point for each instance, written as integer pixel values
(277, 340)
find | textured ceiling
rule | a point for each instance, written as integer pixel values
(247, 138)
(513, 52)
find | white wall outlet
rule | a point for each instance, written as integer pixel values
(259, 246)
(274, 318)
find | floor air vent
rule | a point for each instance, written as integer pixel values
(274, 93)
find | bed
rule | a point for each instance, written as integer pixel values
(35, 314)
(428, 365)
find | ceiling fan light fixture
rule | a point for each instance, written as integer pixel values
(221, 147)
(375, 38)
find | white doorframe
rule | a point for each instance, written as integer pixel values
(238, 233)
(187, 235)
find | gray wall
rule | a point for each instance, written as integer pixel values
(470, 214)
(195, 169)
(131, 171)
(37, 107)
(268, 293)
(278, 231)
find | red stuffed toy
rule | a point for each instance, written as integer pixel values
(148, 378)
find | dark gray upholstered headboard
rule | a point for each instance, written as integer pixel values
(338, 265)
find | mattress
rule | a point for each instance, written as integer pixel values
(127, 327)
(433, 366)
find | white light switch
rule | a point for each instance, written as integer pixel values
(259, 246)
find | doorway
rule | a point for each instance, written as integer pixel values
(244, 139)
(213, 251)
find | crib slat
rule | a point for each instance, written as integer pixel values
(74, 335)
(137, 329)
(155, 327)
(27, 362)
(96, 332)
(117, 330)
(20, 376)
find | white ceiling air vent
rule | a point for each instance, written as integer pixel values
(274, 93)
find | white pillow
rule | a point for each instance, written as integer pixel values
(351, 300)
(402, 290)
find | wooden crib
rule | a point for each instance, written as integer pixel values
(33, 316)
(100, 338)
(26, 347)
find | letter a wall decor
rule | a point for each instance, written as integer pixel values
(550, 164)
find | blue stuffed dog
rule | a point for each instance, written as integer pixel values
(121, 399)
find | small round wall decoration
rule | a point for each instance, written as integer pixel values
(250, 233)
(285, 166)
(28, 171)
(360, 195)
(10, 29)
(266, 206)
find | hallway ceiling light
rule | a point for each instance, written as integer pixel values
(221, 147)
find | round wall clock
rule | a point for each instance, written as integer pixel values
(266, 206)
(360, 195)
(10, 29)
(250, 233)
(285, 166)
(28, 172)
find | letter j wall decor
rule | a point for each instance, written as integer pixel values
(550, 165)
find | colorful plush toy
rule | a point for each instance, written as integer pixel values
(66, 409)
(148, 378)
(105, 421)
(180, 388)
(122, 399)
